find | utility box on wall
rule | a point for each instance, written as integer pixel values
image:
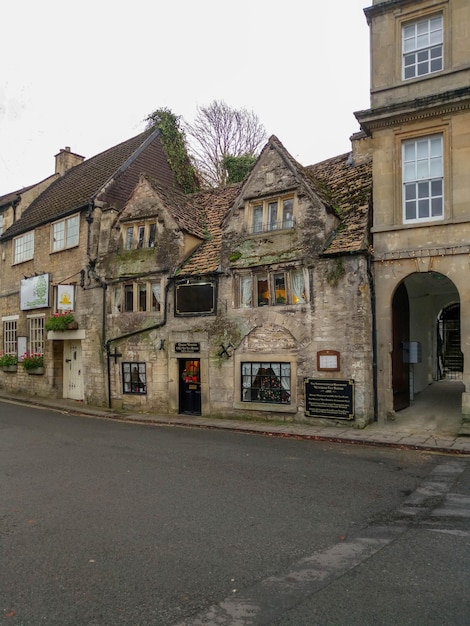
(411, 352)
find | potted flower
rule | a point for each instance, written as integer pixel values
(8, 362)
(61, 320)
(33, 362)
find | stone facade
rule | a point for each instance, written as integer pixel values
(286, 327)
(429, 256)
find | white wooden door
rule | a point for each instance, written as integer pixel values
(73, 368)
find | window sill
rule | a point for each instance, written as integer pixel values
(264, 406)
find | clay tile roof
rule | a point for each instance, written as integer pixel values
(212, 205)
(346, 187)
(181, 207)
(77, 186)
(9, 198)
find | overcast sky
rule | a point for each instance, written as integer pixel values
(86, 74)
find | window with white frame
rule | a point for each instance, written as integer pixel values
(64, 233)
(23, 247)
(422, 47)
(36, 334)
(274, 287)
(138, 236)
(272, 214)
(423, 179)
(145, 296)
(10, 340)
(266, 382)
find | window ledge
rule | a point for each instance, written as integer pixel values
(264, 406)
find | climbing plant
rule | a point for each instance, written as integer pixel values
(174, 145)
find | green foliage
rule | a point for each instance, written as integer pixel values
(7, 360)
(174, 145)
(59, 321)
(234, 256)
(237, 167)
(335, 273)
(32, 360)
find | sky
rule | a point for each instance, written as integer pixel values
(86, 74)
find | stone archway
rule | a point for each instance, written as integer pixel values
(419, 302)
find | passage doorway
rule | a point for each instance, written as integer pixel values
(190, 386)
(426, 341)
(401, 336)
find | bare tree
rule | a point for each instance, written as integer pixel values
(220, 131)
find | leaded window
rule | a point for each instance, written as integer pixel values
(134, 378)
(266, 382)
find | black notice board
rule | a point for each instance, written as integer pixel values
(329, 398)
(187, 346)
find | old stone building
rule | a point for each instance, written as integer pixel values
(48, 256)
(251, 300)
(419, 126)
(240, 301)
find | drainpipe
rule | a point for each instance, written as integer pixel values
(108, 342)
(89, 221)
(370, 276)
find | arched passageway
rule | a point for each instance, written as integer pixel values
(425, 337)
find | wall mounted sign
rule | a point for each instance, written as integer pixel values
(328, 361)
(187, 346)
(34, 292)
(332, 399)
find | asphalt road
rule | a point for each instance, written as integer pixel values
(105, 523)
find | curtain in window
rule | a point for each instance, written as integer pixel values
(245, 291)
(116, 302)
(298, 287)
(157, 294)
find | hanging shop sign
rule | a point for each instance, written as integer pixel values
(66, 297)
(332, 399)
(34, 292)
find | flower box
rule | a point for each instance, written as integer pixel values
(61, 321)
(8, 360)
(32, 361)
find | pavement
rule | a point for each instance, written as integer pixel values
(441, 435)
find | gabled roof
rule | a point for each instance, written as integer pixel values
(212, 205)
(85, 182)
(14, 196)
(181, 207)
(347, 187)
(296, 169)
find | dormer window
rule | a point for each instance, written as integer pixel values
(422, 44)
(272, 214)
(138, 236)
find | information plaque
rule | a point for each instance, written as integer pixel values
(332, 399)
(187, 346)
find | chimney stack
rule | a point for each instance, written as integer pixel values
(65, 160)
